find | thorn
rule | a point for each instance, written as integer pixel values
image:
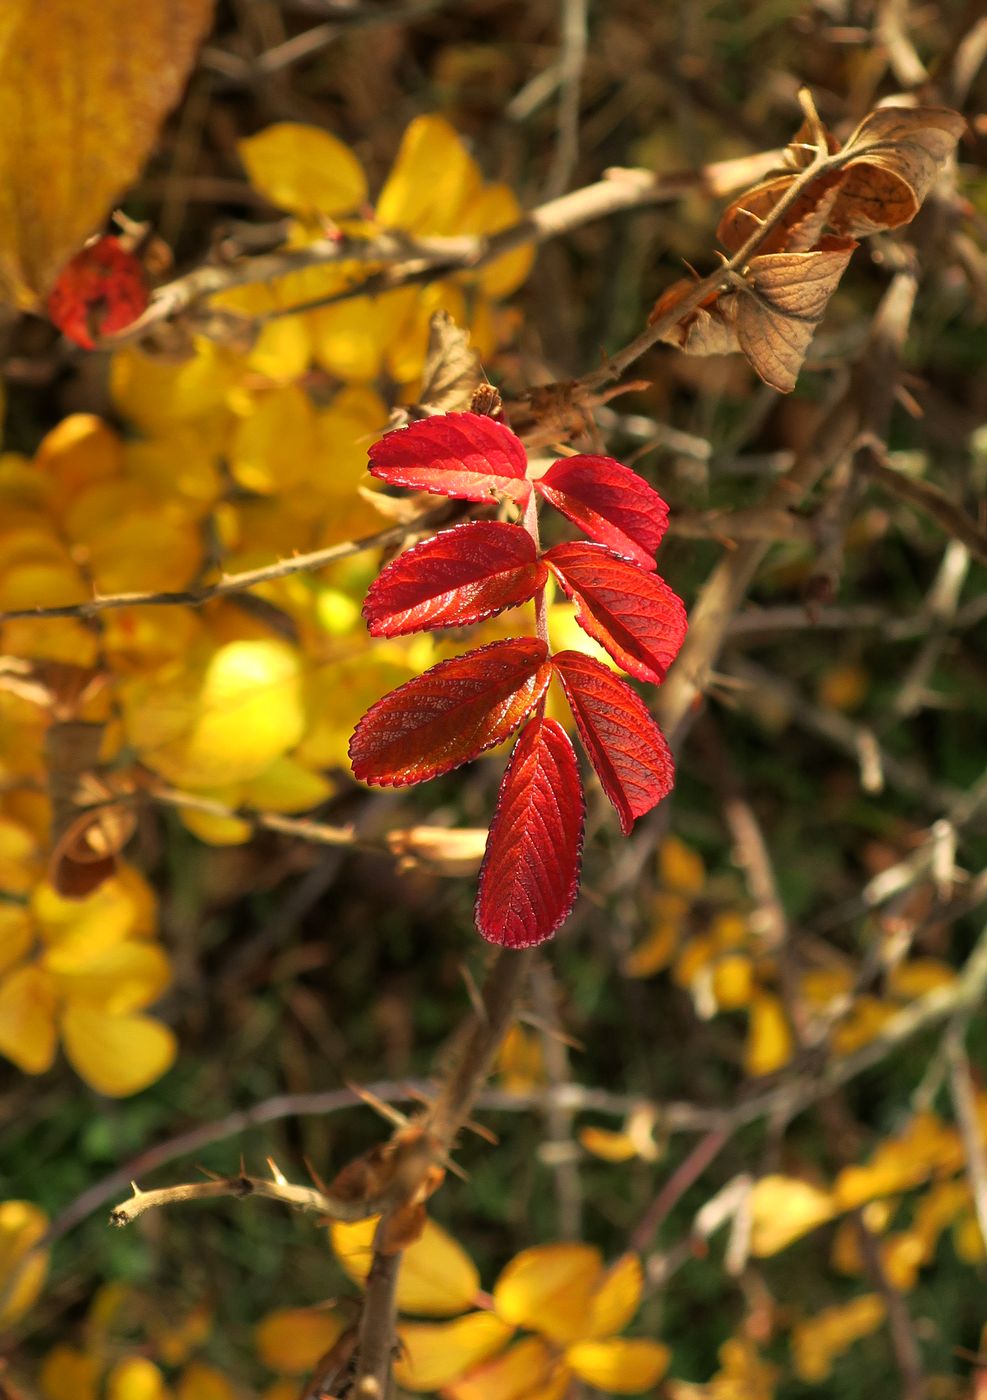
(387, 1111)
(473, 992)
(213, 1176)
(136, 1189)
(276, 1173)
(315, 1177)
(482, 1131)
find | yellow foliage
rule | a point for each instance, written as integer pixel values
(783, 1209)
(436, 1278)
(925, 1147)
(135, 1378)
(619, 1366)
(22, 1265)
(434, 1354)
(293, 1339)
(742, 1376)
(550, 1289)
(609, 1145)
(304, 169)
(201, 1382)
(817, 1341)
(680, 868)
(69, 1374)
(520, 1060)
(769, 1036)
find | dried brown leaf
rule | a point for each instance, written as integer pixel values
(83, 91)
(452, 367)
(781, 304)
(708, 330)
(799, 229)
(898, 153)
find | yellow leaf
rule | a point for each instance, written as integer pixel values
(126, 977)
(549, 1289)
(223, 722)
(733, 981)
(22, 1267)
(920, 975)
(491, 209)
(16, 934)
(433, 1354)
(27, 1019)
(769, 1036)
(215, 830)
(304, 169)
(680, 868)
(616, 1300)
(116, 1055)
(123, 907)
(79, 451)
(433, 176)
(407, 349)
(286, 786)
(293, 1339)
(843, 687)
(783, 1209)
(925, 1146)
(135, 1378)
(968, 1241)
(69, 1374)
(520, 1060)
(607, 1144)
(437, 1278)
(83, 91)
(144, 551)
(156, 394)
(902, 1255)
(655, 952)
(349, 338)
(620, 1366)
(274, 441)
(201, 1382)
(528, 1371)
(818, 1341)
(863, 1022)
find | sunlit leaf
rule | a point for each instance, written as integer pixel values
(898, 153)
(617, 1298)
(454, 454)
(436, 1278)
(117, 1055)
(27, 1019)
(455, 579)
(304, 169)
(549, 1289)
(530, 872)
(632, 613)
(528, 1371)
(293, 1339)
(817, 1341)
(125, 977)
(624, 744)
(435, 1354)
(610, 503)
(22, 1267)
(783, 1209)
(135, 1378)
(82, 94)
(450, 714)
(770, 1043)
(433, 176)
(619, 1366)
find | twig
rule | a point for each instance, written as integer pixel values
(410, 259)
(377, 1331)
(929, 499)
(686, 1174)
(236, 583)
(903, 1340)
(573, 58)
(298, 1197)
(968, 1119)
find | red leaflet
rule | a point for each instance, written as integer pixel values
(454, 454)
(101, 290)
(450, 714)
(458, 577)
(610, 503)
(625, 746)
(633, 614)
(530, 871)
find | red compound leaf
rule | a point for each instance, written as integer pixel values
(459, 577)
(610, 503)
(454, 454)
(625, 746)
(102, 290)
(634, 615)
(530, 872)
(447, 716)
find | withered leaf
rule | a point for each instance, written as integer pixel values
(797, 231)
(898, 153)
(708, 330)
(83, 90)
(782, 303)
(452, 367)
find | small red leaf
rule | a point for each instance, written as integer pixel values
(530, 873)
(458, 577)
(610, 503)
(102, 290)
(454, 454)
(625, 746)
(450, 714)
(634, 615)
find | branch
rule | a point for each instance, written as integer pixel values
(298, 1197)
(237, 583)
(929, 499)
(414, 259)
(378, 1336)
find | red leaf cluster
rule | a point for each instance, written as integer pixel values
(103, 289)
(459, 708)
